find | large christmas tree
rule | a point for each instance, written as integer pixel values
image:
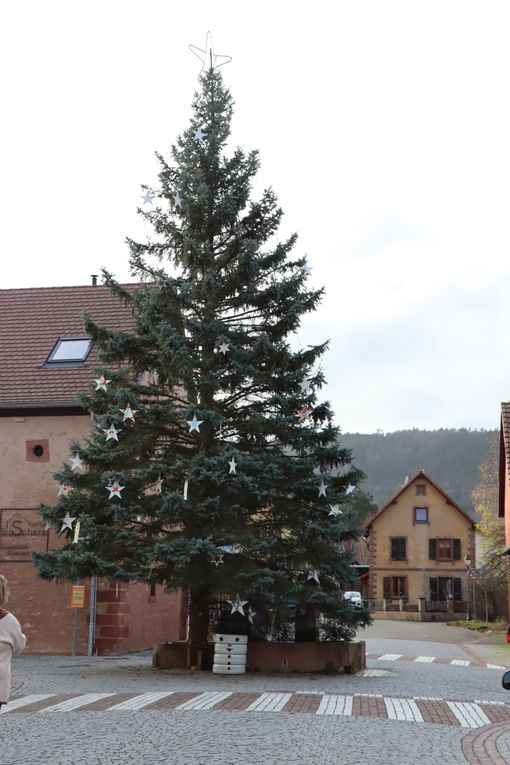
(210, 445)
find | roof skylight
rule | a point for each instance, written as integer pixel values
(70, 350)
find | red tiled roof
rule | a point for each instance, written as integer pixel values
(31, 322)
(422, 476)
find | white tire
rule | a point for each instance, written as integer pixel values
(232, 639)
(223, 669)
(222, 658)
(230, 650)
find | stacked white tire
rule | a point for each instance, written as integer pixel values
(230, 654)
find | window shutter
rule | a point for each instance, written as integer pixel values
(456, 549)
(386, 587)
(433, 587)
(432, 549)
(457, 589)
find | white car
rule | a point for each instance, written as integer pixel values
(354, 598)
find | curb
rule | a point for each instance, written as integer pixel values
(481, 747)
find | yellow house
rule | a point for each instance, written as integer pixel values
(421, 544)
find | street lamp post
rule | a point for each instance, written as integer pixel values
(467, 563)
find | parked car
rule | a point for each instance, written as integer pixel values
(354, 598)
(505, 682)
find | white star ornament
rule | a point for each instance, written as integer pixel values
(237, 605)
(335, 510)
(322, 489)
(101, 383)
(194, 424)
(67, 522)
(129, 414)
(111, 432)
(115, 489)
(232, 464)
(76, 463)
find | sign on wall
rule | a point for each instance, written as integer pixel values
(78, 596)
(22, 531)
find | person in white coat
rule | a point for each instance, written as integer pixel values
(12, 641)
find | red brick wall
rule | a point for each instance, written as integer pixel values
(127, 620)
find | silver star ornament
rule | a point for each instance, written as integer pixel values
(232, 465)
(322, 489)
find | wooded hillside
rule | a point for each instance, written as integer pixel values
(450, 457)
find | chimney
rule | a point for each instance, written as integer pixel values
(94, 280)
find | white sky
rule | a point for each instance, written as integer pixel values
(384, 128)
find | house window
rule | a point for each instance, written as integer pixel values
(69, 351)
(398, 548)
(444, 549)
(421, 489)
(395, 587)
(421, 515)
(444, 587)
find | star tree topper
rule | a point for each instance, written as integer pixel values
(215, 60)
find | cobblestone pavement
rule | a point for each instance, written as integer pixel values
(380, 715)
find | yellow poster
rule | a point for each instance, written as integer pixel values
(77, 596)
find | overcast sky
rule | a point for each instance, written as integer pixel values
(384, 128)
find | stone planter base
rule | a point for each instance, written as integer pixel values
(326, 658)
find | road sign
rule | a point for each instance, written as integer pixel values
(77, 596)
(473, 574)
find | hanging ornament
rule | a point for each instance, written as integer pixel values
(159, 485)
(250, 615)
(178, 200)
(224, 347)
(115, 489)
(304, 385)
(313, 575)
(111, 432)
(76, 463)
(76, 533)
(64, 490)
(232, 464)
(335, 510)
(199, 134)
(185, 491)
(217, 559)
(194, 424)
(350, 489)
(307, 270)
(237, 605)
(129, 414)
(322, 489)
(101, 383)
(304, 414)
(67, 522)
(147, 199)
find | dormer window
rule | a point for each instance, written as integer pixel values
(69, 351)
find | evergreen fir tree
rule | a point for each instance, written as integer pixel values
(229, 455)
